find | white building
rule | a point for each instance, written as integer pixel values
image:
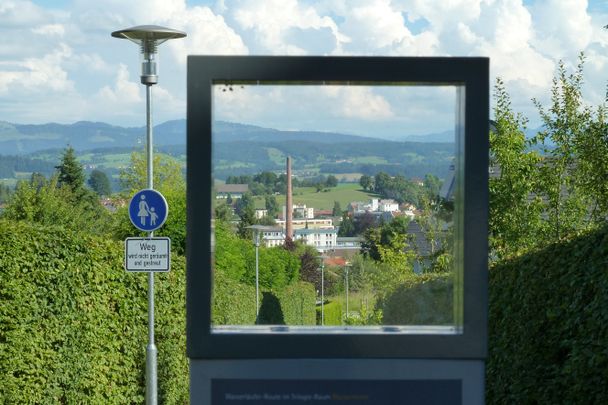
(321, 239)
(374, 205)
(301, 211)
(317, 223)
(270, 236)
(260, 213)
(387, 206)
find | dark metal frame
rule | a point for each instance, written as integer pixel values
(472, 74)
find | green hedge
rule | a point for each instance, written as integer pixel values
(332, 312)
(425, 299)
(236, 258)
(298, 303)
(234, 303)
(73, 323)
(548, 325)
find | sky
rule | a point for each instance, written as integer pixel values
(58, 62)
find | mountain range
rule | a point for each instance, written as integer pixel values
(19, 139)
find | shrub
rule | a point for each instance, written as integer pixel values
(73, 322)
(425, 299)
(548, 325)
(233, 302)
(298, 303)
(332, 313)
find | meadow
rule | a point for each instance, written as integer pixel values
(344, 193)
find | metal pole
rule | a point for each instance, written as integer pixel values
(257, 273)
(346, 291)
(322, 292)
(151, 352)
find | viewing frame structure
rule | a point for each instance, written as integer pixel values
(471, 77)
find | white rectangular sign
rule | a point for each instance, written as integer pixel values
(147, 254)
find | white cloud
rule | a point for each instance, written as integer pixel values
(128, 13)
(64, 62)
(563, 26)
(374, 24)
(272, 23)
(123, 92)
(23, 14)
(207, 33)
(357, 102)
(37, 75)
(50, 30)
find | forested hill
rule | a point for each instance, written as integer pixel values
(238, 149)
(411, 159)
(17, 139)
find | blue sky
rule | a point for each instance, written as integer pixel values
(61, 65)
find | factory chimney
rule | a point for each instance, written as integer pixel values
(288, 205)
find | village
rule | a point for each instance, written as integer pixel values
(320, 228)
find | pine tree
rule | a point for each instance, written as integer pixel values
(70, 170)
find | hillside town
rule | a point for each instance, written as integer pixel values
(320, 228)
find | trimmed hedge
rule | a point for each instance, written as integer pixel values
(332, 313)
(234, 303)
(425, 299)
(73, 322)
(298, 303)
(548, 325)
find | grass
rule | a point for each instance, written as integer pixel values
(344, 193)
(276, 156)
(369, 160)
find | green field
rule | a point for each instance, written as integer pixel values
(324, 200)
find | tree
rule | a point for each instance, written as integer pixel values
(100, 183)
(366, 182)
(169, 180)
(347, 225)
(331, 181)
(310, 265)
(337, 210)
(515, 207)
(432, 186)
(271, 204)
(573, 164)
(381, 182)
(47, 202)
(70, 170)
(5, 193)
(168, 174)
(223, 212)
(245, 209)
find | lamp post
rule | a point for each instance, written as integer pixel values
(323, 289)
(257, 272)
(346, 267)
(256, 242)
(149, 37)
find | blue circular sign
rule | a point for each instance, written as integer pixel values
(148, 210)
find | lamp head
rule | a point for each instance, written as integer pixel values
(148, 37)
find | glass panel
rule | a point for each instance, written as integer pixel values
(373, 175)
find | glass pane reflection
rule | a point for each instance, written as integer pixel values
(370, 242)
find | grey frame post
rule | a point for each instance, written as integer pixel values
(471, 75)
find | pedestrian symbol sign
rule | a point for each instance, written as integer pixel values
(148, 210)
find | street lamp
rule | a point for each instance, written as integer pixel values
(346, 267)
(149, 37)
(323, 288)
(256, 241)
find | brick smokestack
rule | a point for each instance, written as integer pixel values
(288, 204)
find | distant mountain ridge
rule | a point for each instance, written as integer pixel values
(19, 139)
